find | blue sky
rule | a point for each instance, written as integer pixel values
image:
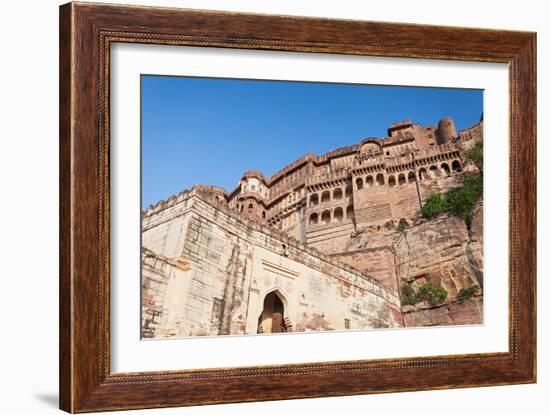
(210, 131)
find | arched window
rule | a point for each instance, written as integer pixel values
(402, 180)
(314, 219)
(337, 194)
(325, 196)
(369, 182)
(325, 217)
(314, 199)
(422, 173)
(391, 181)
(349, 212)
(412, 177)
(359, 183)
(380, 179)
(263, 214)
(242, 206)
(445, 168)
(250, 208)
(348, 191)
(338, 214)
(456, 166)
(434, 171)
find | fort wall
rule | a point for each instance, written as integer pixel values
(207, 272)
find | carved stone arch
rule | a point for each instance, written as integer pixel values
(338, 215)
(422, 174)
(287, 308)
(349, 191)
(314, 199)
(370, 147)
(280, 292)
(313, 219)
(434, 171)
(457, 168)
(402, 180)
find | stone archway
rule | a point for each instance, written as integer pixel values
(274, 315)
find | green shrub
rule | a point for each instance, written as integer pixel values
(434, 205)
(467, 293)
(426, 292)
(459, 201)
(431, 294)
(408, 295)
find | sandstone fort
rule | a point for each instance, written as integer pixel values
(327, 243)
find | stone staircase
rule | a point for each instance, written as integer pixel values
(373, 214)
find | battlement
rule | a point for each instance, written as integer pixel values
(290, 167)
(399, 124)
(338, 152)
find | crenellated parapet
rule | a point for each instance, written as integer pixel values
(281, 173)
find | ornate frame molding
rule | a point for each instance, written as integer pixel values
(86, 33)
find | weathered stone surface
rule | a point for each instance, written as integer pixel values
(455, 313)
(475, 248)
(442, 252)
(217, 282)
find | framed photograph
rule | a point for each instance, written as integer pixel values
(259, 207)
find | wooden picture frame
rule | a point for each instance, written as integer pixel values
(86, 33)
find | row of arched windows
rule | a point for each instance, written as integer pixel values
(437, 158)
(433, 171)
(326, 196)
(249, 209)
(331, 216)
(369, 181)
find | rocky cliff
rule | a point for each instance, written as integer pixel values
(412, 257)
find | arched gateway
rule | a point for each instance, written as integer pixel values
(272, 318)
